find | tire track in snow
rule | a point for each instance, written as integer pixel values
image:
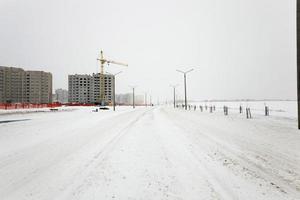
(156, 165)
(217, 189)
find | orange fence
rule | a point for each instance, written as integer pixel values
(10, 106)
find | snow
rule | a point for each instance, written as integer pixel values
(149, 153)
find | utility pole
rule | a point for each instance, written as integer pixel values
(298, 60)
(146, 99)
(174, 94)
(185, 95)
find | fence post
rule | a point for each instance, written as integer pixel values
(266, 111)
(225, 108)
(248, 113)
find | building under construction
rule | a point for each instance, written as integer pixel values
(84, 88)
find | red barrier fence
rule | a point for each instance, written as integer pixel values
(10, 106)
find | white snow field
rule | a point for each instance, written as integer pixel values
(148, 153)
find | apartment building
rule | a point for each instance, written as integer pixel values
(38, 87)
(84, 88)
(20, 86)
(11, 84)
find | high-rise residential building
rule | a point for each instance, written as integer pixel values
(38, 87)
(60, 96)
(20, 86)
(86, 88)
(11, 84)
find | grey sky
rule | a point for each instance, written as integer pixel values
(239, 48)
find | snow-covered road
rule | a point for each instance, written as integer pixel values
(148, 153)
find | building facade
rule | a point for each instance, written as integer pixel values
(20, 86)
(86, 88)
(60, 96)
(38, 87)
(11, 84)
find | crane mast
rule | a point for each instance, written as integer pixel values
(104, 61)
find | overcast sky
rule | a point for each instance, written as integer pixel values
(238, 48)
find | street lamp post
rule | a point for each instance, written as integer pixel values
(185, 95)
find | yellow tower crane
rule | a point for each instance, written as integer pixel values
(104, 61)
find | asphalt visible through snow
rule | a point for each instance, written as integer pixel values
(148, 153)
